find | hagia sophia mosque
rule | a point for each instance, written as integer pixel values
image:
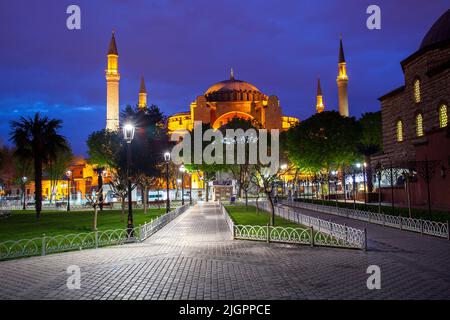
(222, 101)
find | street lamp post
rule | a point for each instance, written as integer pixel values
(24, 185)
(365, 189)
(128, 135)
(182, 170)
(68, 175)
(167, 160)
(190, 189)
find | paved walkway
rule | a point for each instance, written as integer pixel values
(194, 257)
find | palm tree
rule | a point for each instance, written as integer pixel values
(37, 139)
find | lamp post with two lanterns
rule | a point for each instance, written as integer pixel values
(128, 135)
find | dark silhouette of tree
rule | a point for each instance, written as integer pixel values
(322, 141)
(37, 138)
(370, 141)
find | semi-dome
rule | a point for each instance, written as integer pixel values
(439, 32)
(233, 90)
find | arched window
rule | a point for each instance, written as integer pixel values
(399, 131)
(419, 125)
(443, 116)
(417, 97)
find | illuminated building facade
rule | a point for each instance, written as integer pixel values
(232, 98)
(415, 117)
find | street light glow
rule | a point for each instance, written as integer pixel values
(128, 132)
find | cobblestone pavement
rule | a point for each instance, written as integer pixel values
(194, 257)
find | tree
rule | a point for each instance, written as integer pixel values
(324, 140)
(209, 170)
(119, 185)
(370, 141)
(241, 172)
(56, 168)
(108, 149)
(37, 138)
(104, 148)
(95, 201)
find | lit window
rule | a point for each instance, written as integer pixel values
(419, 125)
(443, 116)
(399, 131)
(417, 90)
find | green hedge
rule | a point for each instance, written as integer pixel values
(442, 216)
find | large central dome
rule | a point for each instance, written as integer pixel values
(233, 90)
(439, 32)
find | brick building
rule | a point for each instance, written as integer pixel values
(415, 119)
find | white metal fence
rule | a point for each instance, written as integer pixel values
(45, 245)
(319, 232)
(433, 228)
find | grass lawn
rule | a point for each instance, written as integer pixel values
(241, 215)
(24, 225)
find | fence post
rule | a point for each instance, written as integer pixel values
(401, 220)
(346, 233)
(43, 245)
(96, 239)
(421, 226)
(365, 239)
(268, 233)
(312, 236)
(448, 231)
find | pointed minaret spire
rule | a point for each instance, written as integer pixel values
(342, 82)
(341, 50)
(319, 104)
(231, 74)
(112, 45)
(142, 88)
(142, 104)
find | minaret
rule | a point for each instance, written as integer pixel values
(112, 87)
(142, 95)
(342, 83)
(319, 105)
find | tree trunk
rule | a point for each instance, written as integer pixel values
(206, 192)
(38, 183)
(159, 202)
(246, 199)
(144, 199)
(123, 210)
(95, 218)
(369, 174)
(272, 209)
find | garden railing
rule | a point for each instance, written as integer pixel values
(433, 228)
(318, 233)
(61, 243)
